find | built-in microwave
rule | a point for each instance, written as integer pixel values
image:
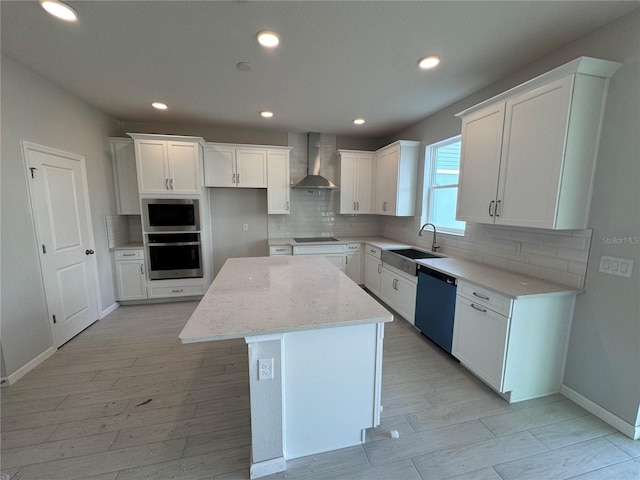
(170, 215)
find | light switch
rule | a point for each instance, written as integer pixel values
(621, 267)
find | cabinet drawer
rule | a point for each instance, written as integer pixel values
(374, 251)
(129, 254)
(181, 291)
(485, 297)
(318, 249)
(354, 247)
(280, 250)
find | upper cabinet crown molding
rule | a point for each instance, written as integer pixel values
(529, 155)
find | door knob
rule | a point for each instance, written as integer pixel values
(89, 252)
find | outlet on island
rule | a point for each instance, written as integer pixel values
(265, 369)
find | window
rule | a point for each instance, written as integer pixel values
(441, 185)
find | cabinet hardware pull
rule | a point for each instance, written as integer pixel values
(475, 307)
(491, 205)
(238, 178)
(233, 178)
(354, 206)
(379, 268)
(177, 290)
(166, 183)
(384, 206)
(357, 206)
(346, 259)
(128, 254)
(479, 295)
(496, 210)
(287, 205)
(171, 183)
(141, 269)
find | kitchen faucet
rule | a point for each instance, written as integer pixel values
(434, 245)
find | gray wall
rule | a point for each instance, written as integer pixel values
(36, 110)
(604, 352)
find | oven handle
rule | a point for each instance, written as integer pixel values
(172, 244)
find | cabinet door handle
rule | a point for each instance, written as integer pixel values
(357, 206)
(395, 284)
(384, 206)
(166, 183)
(238, 178)
(128, 254)
(479, 295)
(233, 178)
(497, 207)
(346, 259)
(141, 269)
(171, 184)
(379, 268)
(490, 206)
(177, 290)
(480, 309)
(354, 206)
(287, 206)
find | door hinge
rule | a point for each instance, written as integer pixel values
(33, 169)
(54, 319)
(44, 248)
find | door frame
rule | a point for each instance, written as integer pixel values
(30, 146)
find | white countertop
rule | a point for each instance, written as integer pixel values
(279, 294)
(511, 284)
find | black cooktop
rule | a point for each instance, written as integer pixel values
(315, 239)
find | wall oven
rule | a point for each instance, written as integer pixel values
(174, 255)
(170, 215)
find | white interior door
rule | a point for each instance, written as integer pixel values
(61, 209)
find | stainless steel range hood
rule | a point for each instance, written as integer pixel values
(314, 180)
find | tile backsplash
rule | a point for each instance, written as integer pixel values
(556, 255)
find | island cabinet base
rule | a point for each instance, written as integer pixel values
(312, 391)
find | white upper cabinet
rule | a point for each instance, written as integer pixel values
(278, 182)
(529, 155)
(356, 181)
(167, 164)
(239, 166)
(125, 176)
(396, 169)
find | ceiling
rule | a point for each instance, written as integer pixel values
(336, 61)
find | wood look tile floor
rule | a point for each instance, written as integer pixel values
(125, 400)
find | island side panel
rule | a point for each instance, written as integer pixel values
(331, 387)
(267, 436)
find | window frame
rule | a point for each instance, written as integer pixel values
(429, 187)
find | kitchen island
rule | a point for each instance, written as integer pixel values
(315, 353)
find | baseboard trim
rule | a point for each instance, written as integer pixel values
(27, 367)
(262, 469)
(108, 310)
(603, 414)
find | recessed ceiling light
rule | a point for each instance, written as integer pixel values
(159, 105)
(428, 62)
(266, 113)
(358, 121)
(268, 39)
(59, 10)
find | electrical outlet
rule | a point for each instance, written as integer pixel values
(245, 226)
(265, 369)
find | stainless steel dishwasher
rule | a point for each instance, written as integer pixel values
(435, 306)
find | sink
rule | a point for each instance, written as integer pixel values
(414, 254)
(404, 259)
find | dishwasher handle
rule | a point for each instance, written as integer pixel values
(443, 277)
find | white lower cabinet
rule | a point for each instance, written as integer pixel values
(131, 280)
(516, 346)
(353, 266)
(399, 292)
(372, 269)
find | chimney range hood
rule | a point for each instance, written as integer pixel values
(314, 180)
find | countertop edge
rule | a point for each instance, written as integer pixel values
(274, 331)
